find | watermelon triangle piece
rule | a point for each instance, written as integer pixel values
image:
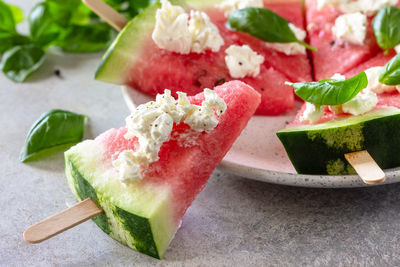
(333, 56)
(145, 215)
(135, 60)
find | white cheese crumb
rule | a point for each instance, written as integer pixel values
(363, 102)
(152, 124)
(351, 27)
(231, 5)
(397, 49)
(242, 61)
(291, 48)
(338, 76)
(368, 7)
(174, 31)
(373, 81)
(312, 113)
(204, 33)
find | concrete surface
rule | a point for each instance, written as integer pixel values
(233, 222)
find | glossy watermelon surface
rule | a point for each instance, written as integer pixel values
(145, 215)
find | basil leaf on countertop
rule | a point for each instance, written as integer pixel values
(330, 91)
(390, 74)
(19, 62)
(54, 128)
(386, 25)
(86, 38)
(263, 24)
(7, 22)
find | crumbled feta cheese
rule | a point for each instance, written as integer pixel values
(242, 61)
(351, 27)
(363, 102)
(368, 7)
(152, 124)
(338, 76)
(397, 49)
(174, 31)
(232, 5)
(373, 81)
(171, 31)
(205, 34)
(312, 113)
(291, 48)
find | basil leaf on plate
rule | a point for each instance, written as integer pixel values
(19, 62)
(390, 74)
(17, 12)
(263, 24)
(330, 91)
(386, 25)
(10, 39)
(54, 128)
(86, 38)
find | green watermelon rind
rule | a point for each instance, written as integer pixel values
(320, 149)
(149, 234)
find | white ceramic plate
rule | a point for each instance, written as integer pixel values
(258, 154)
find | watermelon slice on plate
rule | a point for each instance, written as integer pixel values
(145, 215)
(135, 60)
(334, 56)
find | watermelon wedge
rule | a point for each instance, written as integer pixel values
(332, 56)
(145, 215)
(135, 60)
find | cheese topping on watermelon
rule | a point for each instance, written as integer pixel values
(312, 113)
(397, 49)
(152, 124)
(374, 84)
(232, 5)
(291, 48)
(174, 31)
(368, 7)
(351, 28)
(242, 61)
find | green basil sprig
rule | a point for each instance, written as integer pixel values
(330, 91)
(386, 25)
(390, 74)
(263, 24)
(54, 128)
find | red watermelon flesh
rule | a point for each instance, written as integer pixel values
(296, 67)
(186, 169)
(377, 61)
(334, 56)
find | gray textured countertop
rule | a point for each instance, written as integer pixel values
(234, 221)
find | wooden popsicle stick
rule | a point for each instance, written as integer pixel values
(106, 12)
(366, 167)
(62, 221)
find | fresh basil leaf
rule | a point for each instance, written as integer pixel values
(386, 25)
(263, 24)
(43, 27)
(86, 38)
(52, 129)
(390, 74)
(19, 62)
(10, 39)
(7, 22)
(17, 12)
(330, 91)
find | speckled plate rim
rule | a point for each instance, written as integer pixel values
(284, 178)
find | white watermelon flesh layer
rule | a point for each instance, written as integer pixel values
(146, 215)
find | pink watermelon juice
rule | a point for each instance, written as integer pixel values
(145, 215)
(134, 59)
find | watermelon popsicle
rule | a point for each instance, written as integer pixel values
(135, 59)
(146, 213)
(368, 121)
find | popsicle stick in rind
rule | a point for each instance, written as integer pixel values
(62, 221)
(106, 12)
(366, 167)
